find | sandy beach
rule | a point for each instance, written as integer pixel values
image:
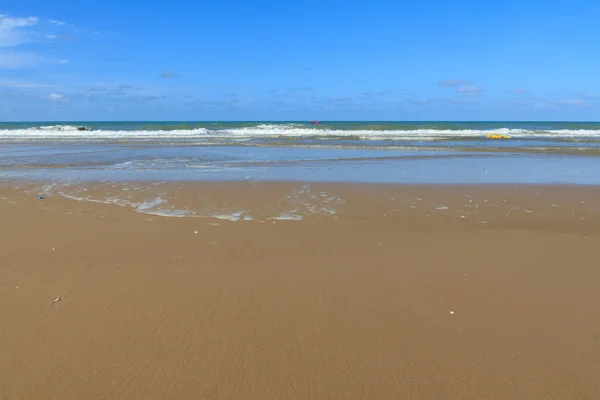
(320, 291)
(310, 200)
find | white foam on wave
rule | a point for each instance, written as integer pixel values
(52, 128)
(305, 201)
(165, 212)
(70, 133)
(288, 217)
(66, 132)
(145, 207)
(234, 216)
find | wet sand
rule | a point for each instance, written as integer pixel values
(378, 292)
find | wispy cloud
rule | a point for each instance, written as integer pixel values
(113, 89)
(452, 82)
(144, 97)
(287, 95)
(367, 95)
(125, 95)
(131, 90)
(11, 59)
(470, 90)
(17, 84)
(11, 95)
(13, 32)
(56, 22)
(555, 104)
(300, 89)
(18, 31)
(169, 75)
(548, 106)
(281, 104)
(237, 104)
(339, 99)
(572, 102)
(519, 91)
(216, 104)
(418, 102)
(463, 87)
(56, 97)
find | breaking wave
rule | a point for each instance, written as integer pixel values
(291, 131)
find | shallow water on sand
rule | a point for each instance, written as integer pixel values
(115, 162)
(217, 202)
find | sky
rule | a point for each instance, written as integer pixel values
(73, 60)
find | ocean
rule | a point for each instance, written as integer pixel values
(425, 152)
(536, 136)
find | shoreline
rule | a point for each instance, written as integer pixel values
(567, 205)
(276, 164)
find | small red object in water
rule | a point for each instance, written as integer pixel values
(315, 122)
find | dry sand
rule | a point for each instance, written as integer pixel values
(403, 293)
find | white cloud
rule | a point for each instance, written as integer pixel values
(563, 103)
(15, 84)
(418, 102)
(452, 83)
(238, 104)
(56, 97)
(12, 32)
(56, 22)
(169, 75)
(300, 89)
(17, 31)
(463, 87)
(572, 102)
(545, 106)
(338, 99)
(18, 59)
(62, 61)
(519, 91)
(368, 95)
(470, 90)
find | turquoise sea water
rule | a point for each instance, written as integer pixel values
(428, 152)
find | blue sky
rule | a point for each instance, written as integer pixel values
(298, 60)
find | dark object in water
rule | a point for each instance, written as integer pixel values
(81, 128)
(315, 122)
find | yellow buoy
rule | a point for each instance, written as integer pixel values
(495, 135)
